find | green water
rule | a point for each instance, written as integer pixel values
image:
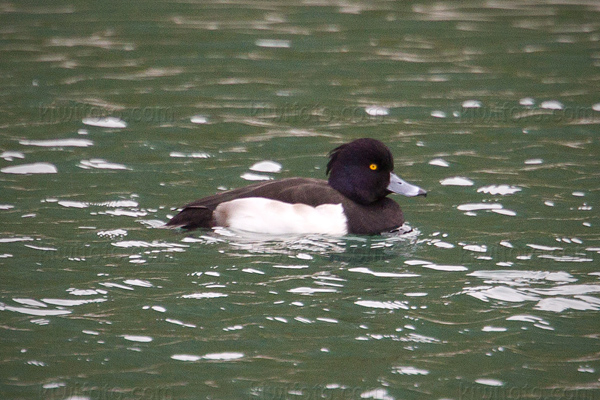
(493, 107)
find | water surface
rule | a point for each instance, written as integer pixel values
(116, 114)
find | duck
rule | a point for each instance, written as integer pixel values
(353, 200)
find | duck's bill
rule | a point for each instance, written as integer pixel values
(400, 186)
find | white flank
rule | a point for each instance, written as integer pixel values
(257, 214)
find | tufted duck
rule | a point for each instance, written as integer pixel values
(353, 200)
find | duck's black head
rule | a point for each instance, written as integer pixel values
(362, 170)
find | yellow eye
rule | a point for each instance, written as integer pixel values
(373, 167)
